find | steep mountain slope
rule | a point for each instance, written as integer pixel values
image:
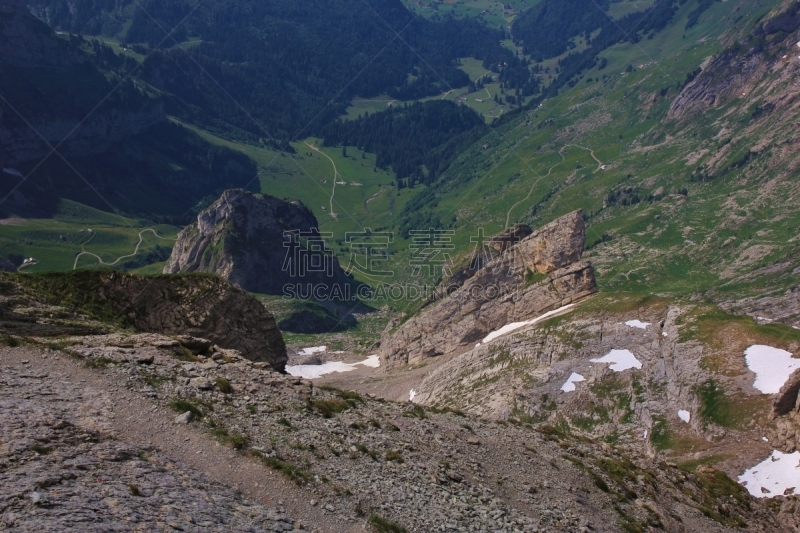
(72, 126)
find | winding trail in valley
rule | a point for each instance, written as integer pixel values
(120, 258)
(336, 175)
(549, 171)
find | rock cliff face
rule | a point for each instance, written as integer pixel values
(540, 273)
(199, 306)
(744, 71)
(241, 238)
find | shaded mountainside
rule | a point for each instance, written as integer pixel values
(115, 149)
(540, 273)
(241, 237)
(49, 86)
(289, 65)
(200, 306)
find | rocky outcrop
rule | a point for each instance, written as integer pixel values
(786, 400)
(242, 238)
(540, 273)
(200, 306)
(734, 72)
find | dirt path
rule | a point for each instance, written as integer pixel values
(142, 423)
(368, 200)
(335, 176)
(120, 258)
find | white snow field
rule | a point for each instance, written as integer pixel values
(316, 371)
(684, 415)
(637, 324)
(776, 475)
(772, 367)
(620, 360)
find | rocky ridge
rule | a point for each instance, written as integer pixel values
(541, 272)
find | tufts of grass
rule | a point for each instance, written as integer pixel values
(374, 423)
(363, 449)
(293, 472)
(224, 385)
(380, 524)
(97, 362)
(181, 406)
(251, 409)
(392, 455)
(416, 412)
(283, 422)
(156, 381)
(40, 449)
(329, 408)
(134, 490)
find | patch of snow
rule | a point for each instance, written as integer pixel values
(637, 324)
(645, 433)
(312, 349)
(373, 361)
(684, 415)
(316, 371)
(776, 475)
(573, 378)
(765, 439)
(516, 325)
(620, 360)
(411, 395)
(13, 172)
(772, 367)
(664, 334)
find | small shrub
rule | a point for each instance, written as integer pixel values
(9, 341)
(238, 441)
(251, 409)
(382, 525)
(224, 385)
(374, 423)
(134, 490)
(283, 422)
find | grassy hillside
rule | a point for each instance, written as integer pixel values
(608, 147)
(56, 242)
